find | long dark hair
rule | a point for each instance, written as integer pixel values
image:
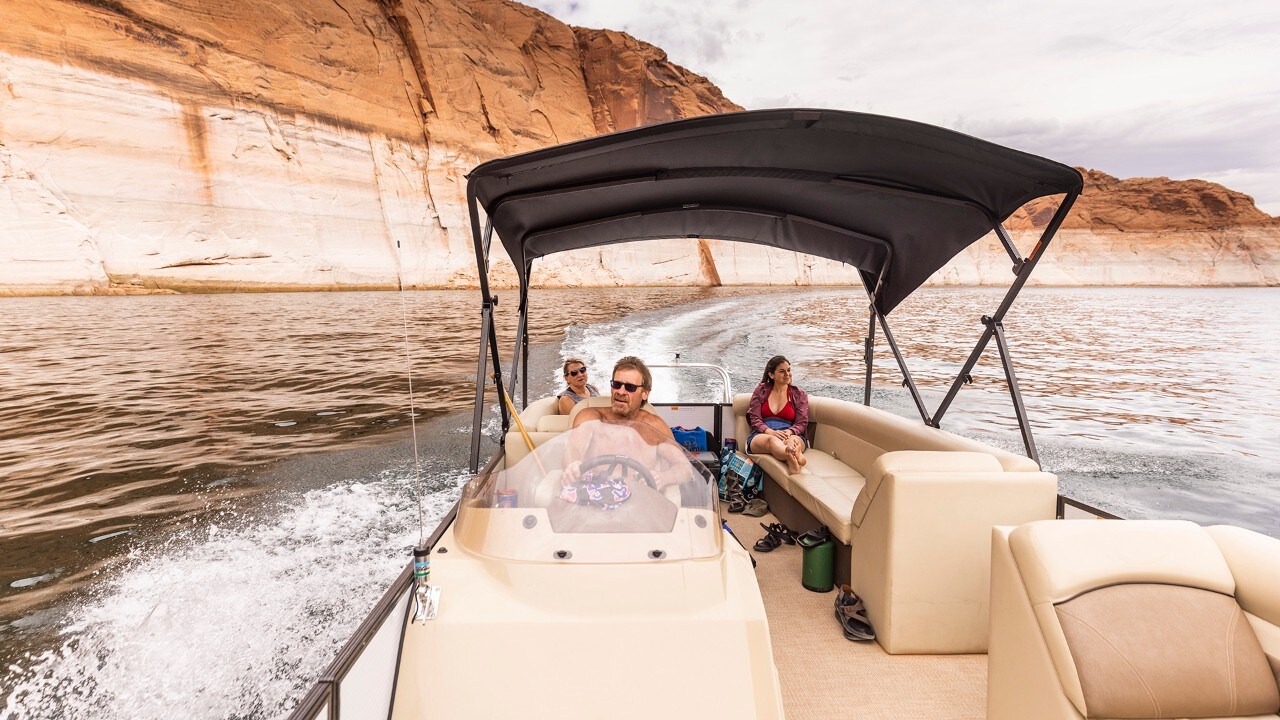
(772, 365)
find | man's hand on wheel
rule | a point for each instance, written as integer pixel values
(572, 472)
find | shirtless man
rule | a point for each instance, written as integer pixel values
(624, 428)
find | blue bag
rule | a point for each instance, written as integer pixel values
(694, 440)
(739, 475)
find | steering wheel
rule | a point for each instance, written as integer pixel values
(614, 462)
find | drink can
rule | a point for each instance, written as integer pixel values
(508, 498)
(731, 444)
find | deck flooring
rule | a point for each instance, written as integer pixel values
(825, 676)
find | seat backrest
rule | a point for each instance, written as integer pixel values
(1141, 621)
(537, 410)
(858, 435)
(875, 429)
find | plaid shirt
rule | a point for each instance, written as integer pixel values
(799, 401)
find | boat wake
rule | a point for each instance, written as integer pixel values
(233, 618)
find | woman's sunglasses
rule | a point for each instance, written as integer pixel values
(576, 373)
(618, 385)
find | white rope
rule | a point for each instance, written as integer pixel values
(413, 414)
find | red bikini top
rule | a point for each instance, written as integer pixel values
(788, 412)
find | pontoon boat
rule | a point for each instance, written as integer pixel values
(986, 597)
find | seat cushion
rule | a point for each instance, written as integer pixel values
(1060, 559)
(775, 469)
(830, 499)
(824, 464)
(553, 423)
(826, 487)
(1079, 574)
(1157, 651)
(918, 461)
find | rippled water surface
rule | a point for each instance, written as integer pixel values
(201, 496)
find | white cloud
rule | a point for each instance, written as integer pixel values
(1134, 88)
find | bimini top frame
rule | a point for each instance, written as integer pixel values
(894, 198)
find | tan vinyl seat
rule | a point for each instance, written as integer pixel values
(1133, 619)
(915, 505)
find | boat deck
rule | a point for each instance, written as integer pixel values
(825, 676)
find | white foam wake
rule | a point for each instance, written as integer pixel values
(233, 618)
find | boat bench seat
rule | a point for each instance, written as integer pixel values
(915, 505)
(1133, 619)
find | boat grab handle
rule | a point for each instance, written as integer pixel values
(724, 374)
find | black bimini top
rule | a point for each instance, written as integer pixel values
(884, 195)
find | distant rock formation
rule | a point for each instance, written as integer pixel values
(163, 145)
(1140, 231)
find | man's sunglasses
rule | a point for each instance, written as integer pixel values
(618, 385)
(576, 373)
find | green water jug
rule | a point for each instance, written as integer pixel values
(818, 568)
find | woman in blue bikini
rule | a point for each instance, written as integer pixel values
(778, 416)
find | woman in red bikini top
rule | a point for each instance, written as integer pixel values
(778, 416)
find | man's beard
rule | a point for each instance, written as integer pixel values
(628, 410)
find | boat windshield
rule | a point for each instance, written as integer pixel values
(602, 492)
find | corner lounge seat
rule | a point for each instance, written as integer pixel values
(1133, 619)
(915, 505)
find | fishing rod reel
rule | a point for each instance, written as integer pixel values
(426, 599)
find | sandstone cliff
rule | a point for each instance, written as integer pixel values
(296, 144)
(1140, 231)
(220, 145)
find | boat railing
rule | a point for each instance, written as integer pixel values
(726, 396)
(1070, 508)
(323, 701)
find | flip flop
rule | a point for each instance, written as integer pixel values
(852, 615)
(815, 537)
(737, 506)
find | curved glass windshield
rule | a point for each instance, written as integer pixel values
(601, 492)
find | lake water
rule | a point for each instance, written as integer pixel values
(202, 496)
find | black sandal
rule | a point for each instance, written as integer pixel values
(782, 532)
(768, 543)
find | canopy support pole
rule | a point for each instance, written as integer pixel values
(906, 374)
(1024, 270)
(1005, 359)
(524, 322)
(1009, 247)
(868, 355)
(488, 333)
(517, 354)
(486, 318)
(520, 356)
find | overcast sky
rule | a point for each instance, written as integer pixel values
(1135, 88)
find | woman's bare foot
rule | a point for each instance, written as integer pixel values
(795, 461)
(795, 450)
